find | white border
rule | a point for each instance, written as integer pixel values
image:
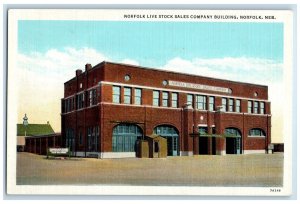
(116, 15)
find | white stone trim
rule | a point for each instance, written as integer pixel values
(222, 152)
(186, 153)
(141, 106)
(71, 96)
(255, 151)
(179, 91)
(111, 155)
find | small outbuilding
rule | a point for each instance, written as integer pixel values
(153, 146)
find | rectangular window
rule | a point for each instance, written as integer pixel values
(211, 103)
(224, 104)
(237, 105)
(92, 97)
(189, 100)
(116, 94)
(138, 96)
(230, 107)
(155, 98)
(174, 100)
(80, 138)
(249, 106)
(165, 99)
(255, 110)
(66, 105)
(262, 108)
(201, 102)
(80, 101)
(127, 95)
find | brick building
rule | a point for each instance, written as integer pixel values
(110, 106)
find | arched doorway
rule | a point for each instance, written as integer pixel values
(233, 141)
(125, 136)
(171, 134)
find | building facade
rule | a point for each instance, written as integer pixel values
(110, 106)
(31, 130)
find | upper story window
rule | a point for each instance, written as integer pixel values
(127, 95)
(224, 104)
(238, 105)
(255, 109)
(116, 94)
(189, 100)
(68, 105)
(211, 106)
(80, 101)
(201, 102)
(137, 96)
(92, 97)
(262, 108)
(257, 132)
(249, 106)
(230, 107)
(174, 100)
(155, 98)
(165, 99)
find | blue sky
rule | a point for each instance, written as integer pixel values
(154, 43)
(50, 51)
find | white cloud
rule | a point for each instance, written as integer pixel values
(40, 78)
(252, 70)
(130, 61)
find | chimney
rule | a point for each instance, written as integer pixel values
(78, 72)
(88, 67)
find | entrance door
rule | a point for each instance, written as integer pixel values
(171, 134)
(203, 145)
(233, 141)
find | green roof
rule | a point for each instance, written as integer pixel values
(34, 129)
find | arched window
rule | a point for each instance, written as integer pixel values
(125, 136)
(233, 141)
(171, 134)
(257, 132)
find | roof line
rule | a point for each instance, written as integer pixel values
(167, 71)
(174, 72)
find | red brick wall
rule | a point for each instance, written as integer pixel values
(107, 115)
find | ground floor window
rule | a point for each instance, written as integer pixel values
(70, 139)
(257, 132)
(93, 139)
(233, 141)
(125, 136)
(171, 134)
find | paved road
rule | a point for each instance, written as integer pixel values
(230, 170)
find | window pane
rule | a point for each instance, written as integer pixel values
(201, 102)
(174, 100)
(262, 108)
(155, 98)
(190, 99)
(211, 103)
(249, 106)
(116, 94)
(137, 96)
(224, 104)
(165, 99)
(238, 105)
(255, 107)
(231, 105)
